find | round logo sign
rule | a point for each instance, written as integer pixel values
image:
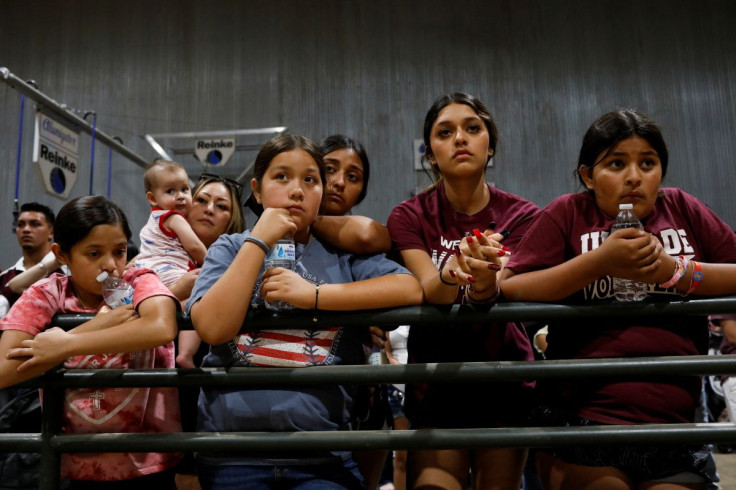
(214, 157)
(57, 179)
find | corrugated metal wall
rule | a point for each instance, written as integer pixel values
(371, 69)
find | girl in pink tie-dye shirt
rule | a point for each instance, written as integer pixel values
(91, 236)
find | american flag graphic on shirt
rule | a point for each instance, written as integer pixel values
(287, 347)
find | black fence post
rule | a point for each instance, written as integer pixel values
(52, 409)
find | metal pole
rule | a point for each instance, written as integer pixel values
(536, 437)
(20, 146)
(451, 372)
(389, 318)
(61, 111)
(53, 405)
(16, 204)
(92, 152)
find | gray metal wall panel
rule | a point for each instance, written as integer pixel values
(371, 70)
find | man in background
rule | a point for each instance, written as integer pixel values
(35, 232)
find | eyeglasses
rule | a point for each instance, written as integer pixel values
(232, 184)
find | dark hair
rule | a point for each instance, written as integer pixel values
(272, 148)
(133, 250)
(458, 98)
(77, 218)
(35, 207)
(341, 142)
(615, 126)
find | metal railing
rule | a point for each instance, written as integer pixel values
(51, 444)
(63, 112)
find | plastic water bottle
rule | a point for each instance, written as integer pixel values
(377, 357)
(625, 289)
(282, 254)
(115, 291)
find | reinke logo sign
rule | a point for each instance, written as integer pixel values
(215, 152)
(56, 151)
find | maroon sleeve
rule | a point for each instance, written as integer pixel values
(544, 243)
(405, 227)
(523, 214)
(715, 238)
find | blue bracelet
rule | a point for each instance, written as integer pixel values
(261, 244)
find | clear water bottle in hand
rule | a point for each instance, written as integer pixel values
(377, 357)
(115, 291)
(282, 254)
(625, 289)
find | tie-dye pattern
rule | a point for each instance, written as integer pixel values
(102, 410)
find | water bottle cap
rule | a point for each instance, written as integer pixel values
(625, 206)
(102, 276)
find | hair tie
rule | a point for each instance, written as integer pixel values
(261, 244)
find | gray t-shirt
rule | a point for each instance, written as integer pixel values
(288, 409)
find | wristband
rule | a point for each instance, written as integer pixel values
(696, 278)
(261, 244)
(316, 302)
(680, 270)
(445, 282)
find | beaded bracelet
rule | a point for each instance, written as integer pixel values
(680, 269)
(261, 244)
(696, 278)
(484, 301)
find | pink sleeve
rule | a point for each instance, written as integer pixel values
(146, 284)
(33, 311)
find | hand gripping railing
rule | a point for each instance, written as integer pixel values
(51, 444)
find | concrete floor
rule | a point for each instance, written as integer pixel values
(726, 464)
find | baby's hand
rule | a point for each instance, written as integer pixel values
(183, 286)
(47, 348)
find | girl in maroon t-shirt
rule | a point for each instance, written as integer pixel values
(570, 255)
(444, 239)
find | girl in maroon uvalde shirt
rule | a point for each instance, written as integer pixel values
(569, 255)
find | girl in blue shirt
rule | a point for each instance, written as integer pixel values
(288, 182)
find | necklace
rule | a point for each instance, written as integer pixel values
(81, 301)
